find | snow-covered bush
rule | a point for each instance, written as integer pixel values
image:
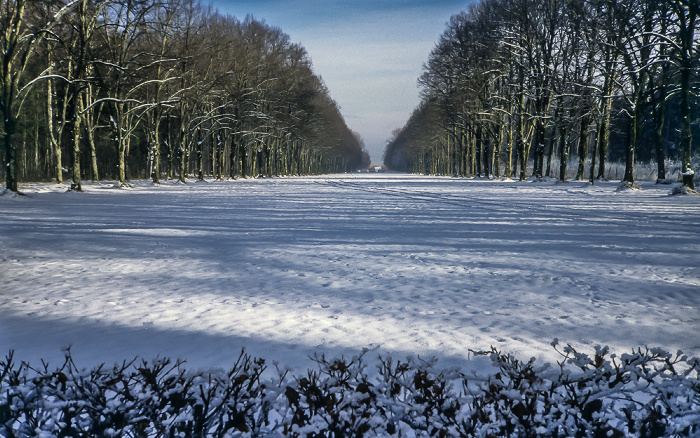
(146, 399)
(644, 393)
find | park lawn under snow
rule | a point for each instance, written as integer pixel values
(400, 264)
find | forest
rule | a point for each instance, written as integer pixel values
(153, 89)
(549, 83)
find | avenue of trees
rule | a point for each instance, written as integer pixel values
(124, 89)
(518, 83)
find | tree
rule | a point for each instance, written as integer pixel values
(511, 77)
(125, 78)
(22, 28)
(637, 56)
(686, 13)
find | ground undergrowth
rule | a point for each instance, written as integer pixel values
(643, 393)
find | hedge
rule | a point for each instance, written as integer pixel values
(644, 393)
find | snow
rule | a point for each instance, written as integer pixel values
(400, 264)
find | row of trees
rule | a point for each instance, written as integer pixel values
(513, 82)
(160, 88)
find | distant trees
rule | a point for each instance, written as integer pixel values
(517, 82)
(159, 89)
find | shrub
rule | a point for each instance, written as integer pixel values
(644, 393)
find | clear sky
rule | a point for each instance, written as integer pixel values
(369, 52)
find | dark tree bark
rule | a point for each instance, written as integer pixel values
(686, 12)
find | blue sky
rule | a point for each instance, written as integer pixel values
(369, 53)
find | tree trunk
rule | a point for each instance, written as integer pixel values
(687, 32)
(155, 149)
(486, 147)
(634, 132)
(171, 152)
(10, 153)
(660, 114)
(77, 121)
(659, 119)
(234, 158)
(121, 144)
(582, 147)
(603, 139)
(550, 137)
(182, 148)
(591, 174)
(155, 159)
(496, 168)
(550, 152)
(479, 148)
(660, 154)
(36, 170)
(90, 130)
(243, 157)
(55, 145)
(200, 157)
(563, 153)
(269, 152)
(464, 152)
(686, 133)
(539, 150)
(522, 157)
(121, 167)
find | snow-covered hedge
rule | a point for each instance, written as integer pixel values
(646, 393)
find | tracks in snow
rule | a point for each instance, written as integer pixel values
(460, 201)
(463, 201)
(606, 212)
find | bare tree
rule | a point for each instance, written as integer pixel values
(22, 28)
(686, 14)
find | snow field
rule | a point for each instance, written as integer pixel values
(400, 264)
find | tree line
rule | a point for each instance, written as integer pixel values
(517, 82)
(160, 89)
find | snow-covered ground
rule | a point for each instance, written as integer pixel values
(400, 264)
